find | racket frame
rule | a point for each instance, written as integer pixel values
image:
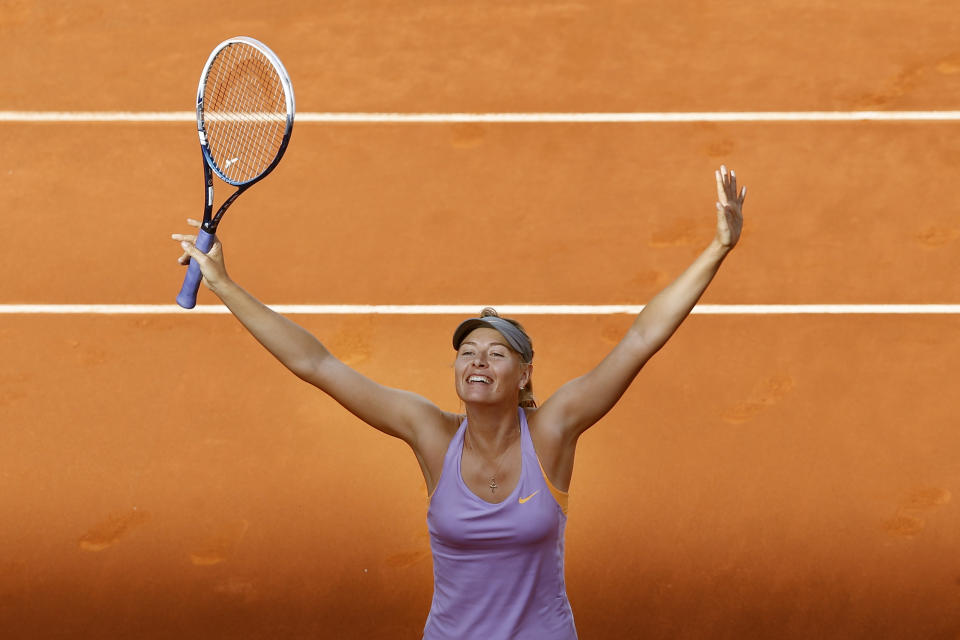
(210, 221)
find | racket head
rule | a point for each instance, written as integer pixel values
(245, 110)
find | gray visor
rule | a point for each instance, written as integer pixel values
(515, 338)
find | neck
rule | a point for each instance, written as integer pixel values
(492, 429)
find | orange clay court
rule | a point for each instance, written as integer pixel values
(767, 476)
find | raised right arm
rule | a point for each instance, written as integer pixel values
(395, 412)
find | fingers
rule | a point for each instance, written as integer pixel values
(190, 251)
(721, 188)
(186, 238)
(727, 186)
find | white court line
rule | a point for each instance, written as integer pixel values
(599, 117)
(470, 310)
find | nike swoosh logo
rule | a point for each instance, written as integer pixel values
(522, 500)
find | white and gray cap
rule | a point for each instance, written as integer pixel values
(515, 337)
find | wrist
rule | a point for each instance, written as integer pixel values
(223, 287)
(718, 249)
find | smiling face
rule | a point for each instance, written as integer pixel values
(487, 371)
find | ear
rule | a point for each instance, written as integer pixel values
(526, 375)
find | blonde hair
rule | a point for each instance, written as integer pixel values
(527, 399)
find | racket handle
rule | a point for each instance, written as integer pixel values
(187, 298)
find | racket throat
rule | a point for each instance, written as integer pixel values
(211, 226)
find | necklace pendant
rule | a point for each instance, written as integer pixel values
(493, 485)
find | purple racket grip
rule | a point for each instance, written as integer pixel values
(187, 298)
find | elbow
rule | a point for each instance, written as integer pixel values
(308, 366)
(642, 343)
(304, 370)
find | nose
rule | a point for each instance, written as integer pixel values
(479, 359)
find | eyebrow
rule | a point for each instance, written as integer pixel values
(494, 344)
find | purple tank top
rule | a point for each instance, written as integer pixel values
(497, 568)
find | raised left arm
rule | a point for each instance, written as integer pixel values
(580, 403)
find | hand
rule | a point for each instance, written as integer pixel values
(729, 208)
(211, 263)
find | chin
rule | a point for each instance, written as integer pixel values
(477, 396)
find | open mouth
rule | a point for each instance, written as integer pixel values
(475, 379)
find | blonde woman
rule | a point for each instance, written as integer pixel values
(498, 474)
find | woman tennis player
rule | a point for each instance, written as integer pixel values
(497, 476)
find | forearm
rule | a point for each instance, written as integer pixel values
(662, 316)
(290, 343)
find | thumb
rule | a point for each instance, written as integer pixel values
(192, 251)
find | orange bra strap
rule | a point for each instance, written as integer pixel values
(562, 497)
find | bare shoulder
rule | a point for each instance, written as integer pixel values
(432, 425)
(544, 427)
(433, 440)
(434, 434)
(546, 438)
(446, 426)
(554, 451)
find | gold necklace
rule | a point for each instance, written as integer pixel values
(493, 478)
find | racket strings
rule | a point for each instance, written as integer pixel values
(244, 112)
(247, 104)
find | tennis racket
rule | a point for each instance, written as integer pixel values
(245, 111)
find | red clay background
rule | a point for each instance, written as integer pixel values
(767, 476)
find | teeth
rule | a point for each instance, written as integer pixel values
(479, 379)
